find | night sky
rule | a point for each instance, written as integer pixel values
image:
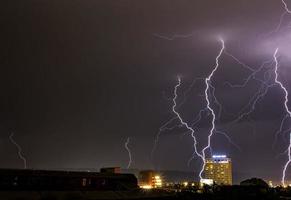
(80, 77)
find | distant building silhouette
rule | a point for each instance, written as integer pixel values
(113, 170)
(219, 169)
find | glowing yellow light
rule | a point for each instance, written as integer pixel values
(185, 184)
(146, 187)
(156, 181)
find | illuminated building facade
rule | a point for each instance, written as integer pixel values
(149, 179)
(219, 169)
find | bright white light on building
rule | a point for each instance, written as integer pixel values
(219, 156)
(206, 182)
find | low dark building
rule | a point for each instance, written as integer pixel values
(112, 170)
(14, 179)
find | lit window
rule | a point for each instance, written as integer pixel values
(84, 182)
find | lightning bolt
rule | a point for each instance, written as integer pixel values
(209, 108)
(208, 84)
(19, 150)
(163, 128)
(259, 94)
(280, 130)
(286, 7)
(253, 74)
(166, 126)
(209, 91)
(286, 94)
(185, 124)
(250, 107)
(281, 20)
(129, 152)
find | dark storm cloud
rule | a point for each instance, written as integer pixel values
(79, 77)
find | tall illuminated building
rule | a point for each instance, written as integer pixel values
(219, 169)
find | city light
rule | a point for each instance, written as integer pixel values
(219, 156)
(270, 184)
(157, 181)
(185, 184)
(146, 187)
(206, 182)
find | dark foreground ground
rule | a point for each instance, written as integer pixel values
(222, 193)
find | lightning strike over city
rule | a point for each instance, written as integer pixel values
(145, 99)
(208, 86)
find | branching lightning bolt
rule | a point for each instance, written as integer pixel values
(161, 130)
(185, 124)
(278, 28)
(260, 93)
(129, 152)
(289, 113)
(265, 86)
(21, 156)
(166, 126)
(280, 130)
(211, 110)
(207, 91)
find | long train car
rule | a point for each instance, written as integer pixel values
(38, 180)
